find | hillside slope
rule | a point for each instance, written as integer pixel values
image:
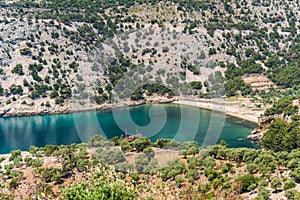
(59, 56)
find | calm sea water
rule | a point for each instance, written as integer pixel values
(154, 121)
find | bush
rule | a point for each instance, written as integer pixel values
(197, 85)
(251, 168)
(141, 162)
(115, 141)
(149, 152)
(173, 169)
(292, 194)
(276, 183)
(52, 174)
(189, 148)
(296, 174)
(192, 174)
(179, 180)
(16, 89)
(247, 181)
(124, 167)
(33, 162)
(102, 187)
(161, 143)
(209, 162)
(140, 144)
(166, 144)
(18, 69)
(15, 154)
(194, 161)
(289, 185)
(212, 51)
(99, 141)
(264, 193)
(109, 156)
(13, 183)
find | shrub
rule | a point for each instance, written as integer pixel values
(212, 51)
(264, 193)
(141, 161)
(98, 141)
(289, 185)
(189, 148)
(18, 69)
(161, 143)
(52, 174)
(140, 144)
(109, 156)
(276, 183)
(292, 194)
(13, 183)
(15, 154)
(124, 167)
(247, 181)
(209, 162)
(149, 152)
(173, 169)
(16, 89)
(296, 174)
(107, 188)
(192, 174)
(179, 180)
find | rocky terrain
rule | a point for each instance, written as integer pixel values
(64, 56)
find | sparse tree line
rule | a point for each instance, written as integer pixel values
(205, 172)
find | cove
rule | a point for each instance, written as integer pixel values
(174, 121)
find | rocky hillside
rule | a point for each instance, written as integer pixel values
(59, 56)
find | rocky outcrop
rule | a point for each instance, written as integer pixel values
(263, 123)
(255, 135)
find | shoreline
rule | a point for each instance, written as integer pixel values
(224, 106)
(106, 106)
(220, 105)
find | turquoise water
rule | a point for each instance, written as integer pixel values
(154, 121)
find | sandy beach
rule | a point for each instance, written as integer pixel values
(236, 108)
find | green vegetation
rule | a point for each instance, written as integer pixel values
(18, 69)
(283, 106)
(201, 172)
(283, 136)
(244, 39)
(102, 186)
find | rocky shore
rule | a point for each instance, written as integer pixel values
(69, 107)
(258, 133)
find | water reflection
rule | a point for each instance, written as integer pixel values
(21, 132)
